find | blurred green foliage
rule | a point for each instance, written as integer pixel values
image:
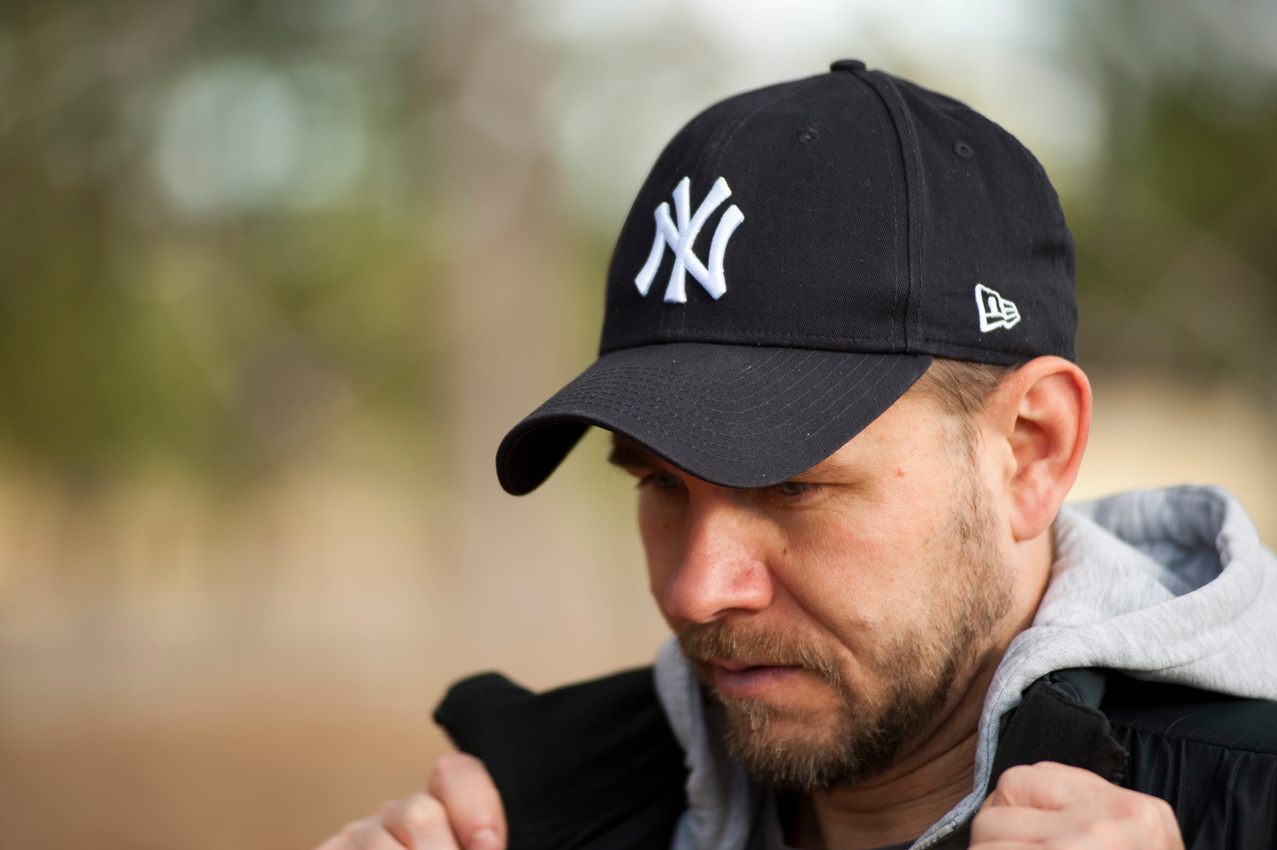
(215, 218)
(1177, 255)
(215, 324)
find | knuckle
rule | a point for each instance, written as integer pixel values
(1015, 777)
(1059, 772)
(1147, 818)
(422, 812)
(449, 767)
(1108, 832)
(1141, 808)
(984, 823)
(1158, 818)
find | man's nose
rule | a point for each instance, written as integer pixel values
(723, 566)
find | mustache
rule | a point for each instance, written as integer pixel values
(722, 641)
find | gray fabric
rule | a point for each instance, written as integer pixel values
(1166, 585)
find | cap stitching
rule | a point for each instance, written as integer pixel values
(645, 339)
(868, 80)
(915, 200)
(772, 380)
(622, 405)
(687, 384)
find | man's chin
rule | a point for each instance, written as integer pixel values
(782, 734)
(824, 739)
(786, 748)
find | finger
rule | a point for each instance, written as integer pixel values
(1102, 815)
(1042, 828)
(419, 822)
(469, 795)
(1017, 823)
(366, 834)
(1047, 785)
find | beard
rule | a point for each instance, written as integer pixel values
(864, 735)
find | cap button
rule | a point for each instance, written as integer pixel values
(847, 65)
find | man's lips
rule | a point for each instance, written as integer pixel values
(743, 679)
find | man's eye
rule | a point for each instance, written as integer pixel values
(661, 480)
(792, 488)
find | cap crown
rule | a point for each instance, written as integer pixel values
(863, 213)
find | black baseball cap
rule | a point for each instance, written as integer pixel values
(791, 265)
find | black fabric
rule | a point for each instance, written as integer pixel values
(596, 765)
(593, 765)
(1213, 758)
(872, 207)
(874, 218)
(1051, 724)
(738, 416)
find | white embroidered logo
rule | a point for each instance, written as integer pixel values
(995, 311)
(681, 238)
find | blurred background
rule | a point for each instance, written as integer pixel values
(277, 275)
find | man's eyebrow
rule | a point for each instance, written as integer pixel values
(629, 455)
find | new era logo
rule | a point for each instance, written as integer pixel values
(682, 237)
(995, 311)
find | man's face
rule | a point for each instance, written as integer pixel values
(836, 616)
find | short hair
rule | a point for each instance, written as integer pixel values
(962, 389)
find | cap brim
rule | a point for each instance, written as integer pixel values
(733, 415)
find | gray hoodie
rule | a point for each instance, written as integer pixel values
(1166, 585)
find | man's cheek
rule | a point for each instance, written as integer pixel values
(660, 571)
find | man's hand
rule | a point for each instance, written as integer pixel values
(461, 811)
(1052, 805)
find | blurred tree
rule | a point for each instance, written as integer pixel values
(211, 228)
(217, 216)
(1176, 250)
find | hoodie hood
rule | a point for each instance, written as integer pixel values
(1165, 585)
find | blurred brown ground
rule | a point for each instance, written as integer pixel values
(254, 680)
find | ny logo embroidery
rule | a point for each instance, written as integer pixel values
(995, 311)
(683, 237)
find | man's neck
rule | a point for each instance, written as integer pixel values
(887, 813)
(913, 794)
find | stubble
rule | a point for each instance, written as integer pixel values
(865, 734)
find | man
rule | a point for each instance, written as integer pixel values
(848, 397)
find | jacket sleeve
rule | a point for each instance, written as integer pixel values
(1213, 758)
(593, 765)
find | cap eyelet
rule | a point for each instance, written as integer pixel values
(808, 134)
(963, 149)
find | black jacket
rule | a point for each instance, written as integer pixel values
(596, 765)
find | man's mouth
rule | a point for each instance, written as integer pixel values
(745, 679)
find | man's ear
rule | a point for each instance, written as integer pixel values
(1043, 412)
